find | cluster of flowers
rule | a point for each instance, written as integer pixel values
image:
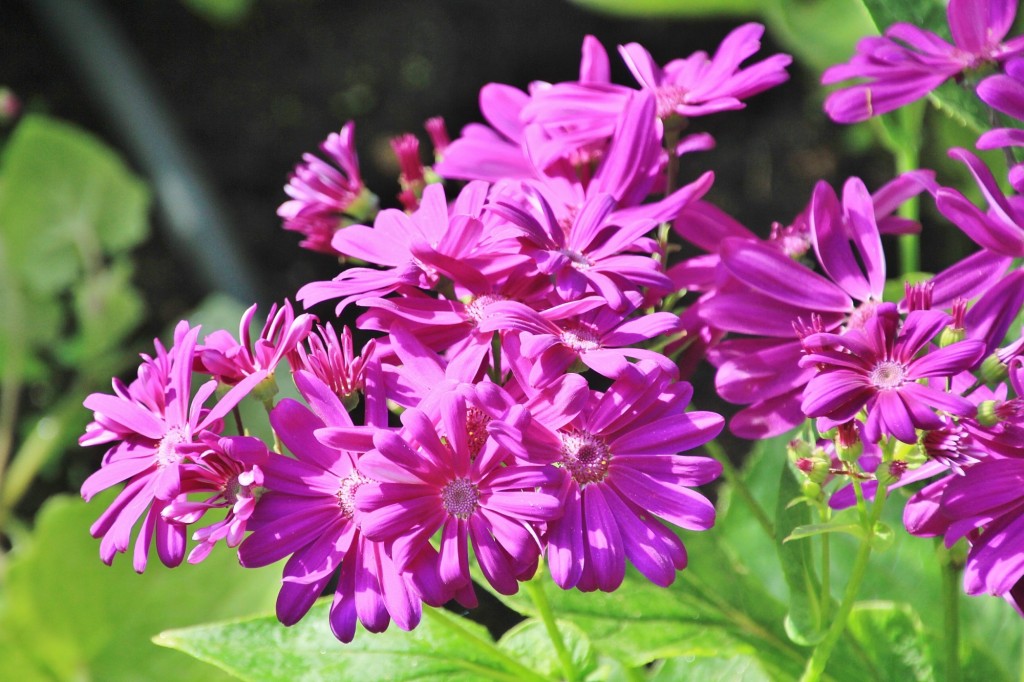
(534, 345)
(507, 411)
(931, 387)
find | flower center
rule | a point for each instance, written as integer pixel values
(460, 498)
(578, 260)
(167, 450)
(347, 488)
(888, 374)
(476, 429)
(580, 339)
(476, 309)
(668, 97)
(585, 457)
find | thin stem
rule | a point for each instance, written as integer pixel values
(496, 358)
(535, 590)
(826, 567)
(819, 658)
(951, 616)
(517, 671)
(910, 244)
(733, 477)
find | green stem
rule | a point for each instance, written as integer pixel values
(517, 671)
(535, 589)
(951, 617)
(910, 244)
(826, 568)
(819, 657)
(733, 477)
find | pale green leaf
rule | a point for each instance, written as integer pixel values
(528, 642)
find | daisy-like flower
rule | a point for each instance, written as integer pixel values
(877, 367)
(331, 358)
(325, 198)
(150, 421)
(622, 472)
(228, 471)
(308, 514)
(231, 360)
(438, 478)
(908, 62)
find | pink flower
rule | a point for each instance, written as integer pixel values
(908, 62)
(324, 198)
(151, 421)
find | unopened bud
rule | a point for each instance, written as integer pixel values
(815, 468)
(797, 449)
(848, 444)
(811, 490)
(891, 473)
(993, 369)
(988, 414)
(951, 335)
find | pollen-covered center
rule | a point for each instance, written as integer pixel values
(888, 374)
(347, 488)
(167, 450)
(580, 339)
(476, 429)
(460, 498)
(668, 97)
(585, 457)
(476, 309)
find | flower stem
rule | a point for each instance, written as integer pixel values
(951, 615)
(732, 476)
(819, 657)
(535, 590)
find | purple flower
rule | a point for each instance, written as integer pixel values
(621, 473)
(908, 62)
(332, 359)
(151, 421)
(324, 198)
(878, 368)
(309, 515)
(431, 479)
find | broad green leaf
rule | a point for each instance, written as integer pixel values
(108, 310)
(927, 14)
(74, 618)
(893, 637)
(528, 642)
(804, 622)
(67, 199)
(672, 8)
(711, 669)
(819, 33)
(443, 647)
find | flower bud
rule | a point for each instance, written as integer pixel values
(815, 468)
(993, 369)
(811, 490)
(891, 473)
(987, 413)
(951, 335)
(848, 444)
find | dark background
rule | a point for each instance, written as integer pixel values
(251, 97)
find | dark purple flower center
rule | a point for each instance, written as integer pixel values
(668, 98)
(347, 488)
(460, 498)
(888, 374)
(585, 457)
(580, 339)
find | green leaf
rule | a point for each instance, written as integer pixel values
(672, 8)
(70, 617)
(67, 199)
(108, 310)
(711, 669)
(819, 33)
(893, 637)
(528, 642)
(443, 647)
(804, 622)
(927, 14)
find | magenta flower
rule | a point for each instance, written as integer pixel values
(622, 472)
(602, 339)
(151, 421)
(332, 359)
(227, 470)
(309, 515)
(877, 368)
(230, 360)
(1000, 229)
(433, 479)
(908, 62)
(324, 198)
